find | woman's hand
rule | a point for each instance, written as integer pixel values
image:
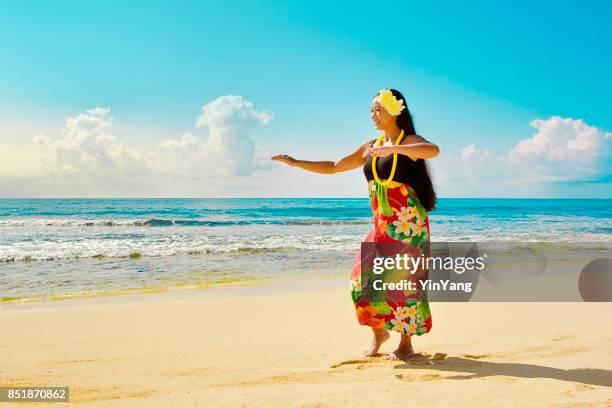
(284, 158)
(379, 151)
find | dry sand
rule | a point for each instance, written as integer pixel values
(304, 348)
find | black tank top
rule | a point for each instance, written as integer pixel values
(383, 167)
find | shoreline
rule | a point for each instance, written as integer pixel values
(254, 287)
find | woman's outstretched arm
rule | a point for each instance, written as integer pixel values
(349, 162)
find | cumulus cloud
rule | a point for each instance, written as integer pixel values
(222, 144)
(230, 111)
(560, 150)
(563, 149)
(229, 147)
(85, 148)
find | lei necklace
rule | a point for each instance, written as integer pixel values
(378, 143)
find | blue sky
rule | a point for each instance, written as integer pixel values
(473, 73)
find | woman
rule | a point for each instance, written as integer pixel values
(401, 195)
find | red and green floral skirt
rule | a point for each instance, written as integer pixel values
(399, 218)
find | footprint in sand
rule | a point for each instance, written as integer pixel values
(60, 362)
(476, 356)
(578, 389)
(416, 358)
(439, 356)
(563, 337)
(424, 377)
(358, 361)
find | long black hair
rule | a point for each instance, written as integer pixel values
(419, 175)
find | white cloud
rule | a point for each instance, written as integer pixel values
(471, 152)
(230, 111)
(228, 148)
(87, 150)
(561, 139)
(562, 149)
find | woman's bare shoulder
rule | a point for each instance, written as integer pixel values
(410, 139)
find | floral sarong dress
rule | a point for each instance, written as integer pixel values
(398, 217)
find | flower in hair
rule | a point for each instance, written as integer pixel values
(387, 100)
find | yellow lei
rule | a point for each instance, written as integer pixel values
(390, 179)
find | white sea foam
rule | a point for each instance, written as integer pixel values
(155, 222)
(157, 246)
(69, 222)
(174, 244)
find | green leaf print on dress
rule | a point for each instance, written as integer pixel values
(423, 305)
(382, 307)
(383, 202)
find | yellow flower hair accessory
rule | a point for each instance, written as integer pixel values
(387, 100)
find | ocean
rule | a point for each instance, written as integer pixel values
(62, 248)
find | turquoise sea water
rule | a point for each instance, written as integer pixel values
(63, 247)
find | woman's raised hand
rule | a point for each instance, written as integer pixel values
(378, 151)
(284, 158)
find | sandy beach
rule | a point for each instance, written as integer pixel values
(258, 347)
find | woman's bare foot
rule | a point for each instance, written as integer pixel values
(402, 353)
(404, 349)
(380, 336)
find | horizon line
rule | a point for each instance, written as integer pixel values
(296, 198)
